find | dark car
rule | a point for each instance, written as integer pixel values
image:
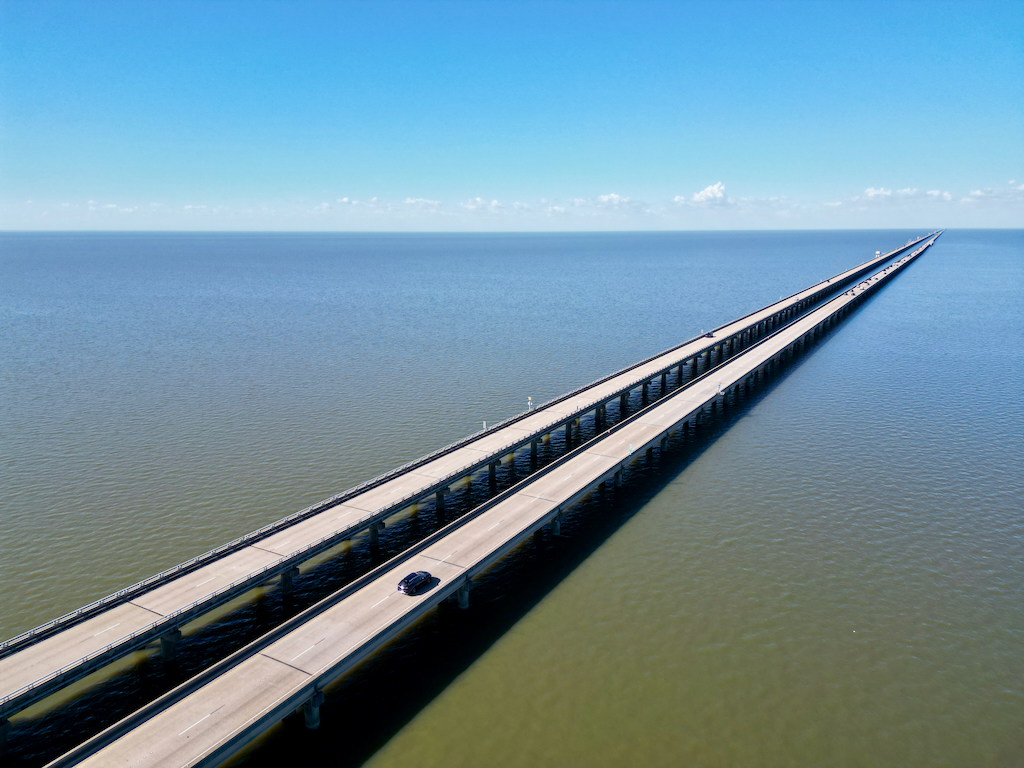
(414, 582)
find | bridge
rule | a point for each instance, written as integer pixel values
(40, 662)
(209, 718)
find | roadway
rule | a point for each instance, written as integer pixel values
(40, 662)
(210, 717)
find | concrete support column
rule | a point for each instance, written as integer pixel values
(512, 466)
(623, 405)
(311, 710)
(556, 524)
(288, 581)
(492, 471)
(643, 392)
(533, 454)
(169, 645)
(618, 478)
(463, 594)
(375, 530)
(5, 730)
(679, 380)
(707, 360)
(649, 455)
(664, 444)
(439, 500)
(664, 383)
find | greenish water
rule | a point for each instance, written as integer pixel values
(833, 576)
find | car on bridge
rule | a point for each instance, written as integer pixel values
(414, 582)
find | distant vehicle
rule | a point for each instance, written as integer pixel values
(414, 582)
(709, 335)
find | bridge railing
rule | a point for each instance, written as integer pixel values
(123, 595)
(153, 629)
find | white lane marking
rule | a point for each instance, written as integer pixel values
(204, 582)
(449, 554)
(314, 645)
(197, 722)
(495, 525)
(107, 629)
(379, 602)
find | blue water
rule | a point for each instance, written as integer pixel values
(163, 393)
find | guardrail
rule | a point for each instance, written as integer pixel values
(179, 616)
(124, 595)
(186, 688)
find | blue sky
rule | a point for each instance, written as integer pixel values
(510, 116)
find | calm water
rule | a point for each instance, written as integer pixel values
(834, 575)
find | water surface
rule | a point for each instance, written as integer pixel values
(834, 576)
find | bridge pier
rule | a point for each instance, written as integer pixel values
(617, 478)
(492, 470)
(463, 594)
(375, 530)
(439, 501)
(556, 525)
(568, 434)
(169, 646)
(679, 378)
(643, 392)
(288, 581)
(664, 384)
(311, 710)
(664, 444)
(623, 405)
(533, 454)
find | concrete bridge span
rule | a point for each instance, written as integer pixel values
(210, 717)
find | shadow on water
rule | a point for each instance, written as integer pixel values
(388, 690)
(377, 699)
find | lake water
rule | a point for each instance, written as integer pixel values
(834, 574)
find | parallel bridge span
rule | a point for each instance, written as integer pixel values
(39, 662)
(208, 718)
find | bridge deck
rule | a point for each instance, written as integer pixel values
(209, 718)
(34, 666)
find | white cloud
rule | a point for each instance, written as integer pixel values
(1009, 194)
(908, 192)
(939, 194)
(871, 192)
(478, 204)
(419, 203)
(714, 193)
(110, 206)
